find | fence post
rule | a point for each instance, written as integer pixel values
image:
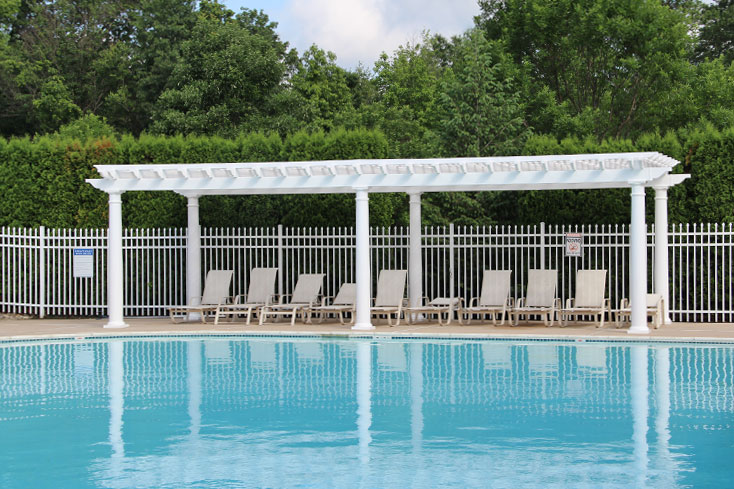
(280, 260)
(451, 260)
(42, 271)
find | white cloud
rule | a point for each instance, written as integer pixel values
(359, 30)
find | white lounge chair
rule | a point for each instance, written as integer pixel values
(305, 295)
(590, 297)
(540, 298)
(440, 306)
(654, 309)
(494, 299)
(342, 303)
(390, 295)
(216, 293)
(260, 292)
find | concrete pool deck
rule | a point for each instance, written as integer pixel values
(20, 329)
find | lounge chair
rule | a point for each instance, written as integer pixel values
(342, 303)
(390, 294)
(216, 293)
(440, 306)
(540, 298)
(494, 299)
(259, 293)
(305, 295)
(654, 309)
(590, 297)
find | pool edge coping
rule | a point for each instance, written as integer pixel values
(117, 335)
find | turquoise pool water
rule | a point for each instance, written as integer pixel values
(276, 413)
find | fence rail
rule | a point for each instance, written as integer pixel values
(37, 265)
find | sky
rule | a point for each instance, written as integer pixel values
(359, 30)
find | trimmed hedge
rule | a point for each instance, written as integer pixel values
(42, 182)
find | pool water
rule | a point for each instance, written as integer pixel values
(284, 412)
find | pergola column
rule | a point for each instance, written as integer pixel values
(114, 263)
(662, 282)
(638, 262)
(193, 256)
(415, 257)
(364, 281)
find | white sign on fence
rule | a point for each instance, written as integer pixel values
(574, 244)
(83, 262)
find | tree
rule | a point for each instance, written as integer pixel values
(230, 68)
(717, 32)
(482, 114)
(323, 88)
(160, 28)
(603, 61)
(407, 85)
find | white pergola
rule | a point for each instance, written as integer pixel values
(412, 176)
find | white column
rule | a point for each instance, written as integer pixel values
(638, 262)
(415, 267)
(193, 257)
(364, 399)
(640, 411)
(662, 283)
(114, 264)
(363, 319)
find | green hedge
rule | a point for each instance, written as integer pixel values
(42, 182)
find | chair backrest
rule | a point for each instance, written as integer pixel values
(308, 288)
(541, 288)
(216, 287)
(262, 285)
(590, 288)
(346, 296)
(495, 287)
(652, 300)
(391, 288)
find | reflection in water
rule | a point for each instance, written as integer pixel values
(265, 412)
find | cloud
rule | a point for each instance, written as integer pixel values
(359, 30)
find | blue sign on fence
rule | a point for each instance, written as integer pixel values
(83, 262)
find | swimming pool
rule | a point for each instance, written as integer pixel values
(284, 412)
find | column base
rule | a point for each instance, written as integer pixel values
(115, 325)
(363, 327)
(638, 331)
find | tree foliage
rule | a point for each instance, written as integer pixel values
(84, 82)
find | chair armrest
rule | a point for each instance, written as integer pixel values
(473, 302)
(624, 303)
(520, 302)
(243, 299)
(569, 302)
(510, 302)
